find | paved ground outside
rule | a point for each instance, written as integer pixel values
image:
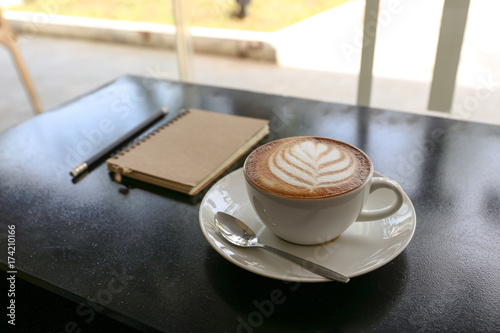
(318, 59)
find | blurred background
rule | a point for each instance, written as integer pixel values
(302, 48)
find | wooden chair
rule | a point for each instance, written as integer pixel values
(7, 38)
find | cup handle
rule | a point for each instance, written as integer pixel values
(377, 214)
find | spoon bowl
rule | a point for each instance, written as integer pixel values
(238, 233)
(235, 231)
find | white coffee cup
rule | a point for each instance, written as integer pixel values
(290, 211)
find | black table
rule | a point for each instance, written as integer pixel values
(137, 254)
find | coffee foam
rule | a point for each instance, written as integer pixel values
(307, 167)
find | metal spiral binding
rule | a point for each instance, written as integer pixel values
(137, 142)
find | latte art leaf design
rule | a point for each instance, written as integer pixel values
(312, 165)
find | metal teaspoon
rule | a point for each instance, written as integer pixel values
(238, 233)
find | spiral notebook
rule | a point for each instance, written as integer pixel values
(190, 151)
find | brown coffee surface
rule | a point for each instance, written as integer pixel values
(307, 167)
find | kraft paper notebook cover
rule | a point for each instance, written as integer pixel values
(190, 151)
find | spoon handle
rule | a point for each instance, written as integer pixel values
(309, 265)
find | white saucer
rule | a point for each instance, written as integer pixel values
(362, 248)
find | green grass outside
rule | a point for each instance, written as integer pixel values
(263, 15)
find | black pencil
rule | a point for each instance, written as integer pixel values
(82, 167)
